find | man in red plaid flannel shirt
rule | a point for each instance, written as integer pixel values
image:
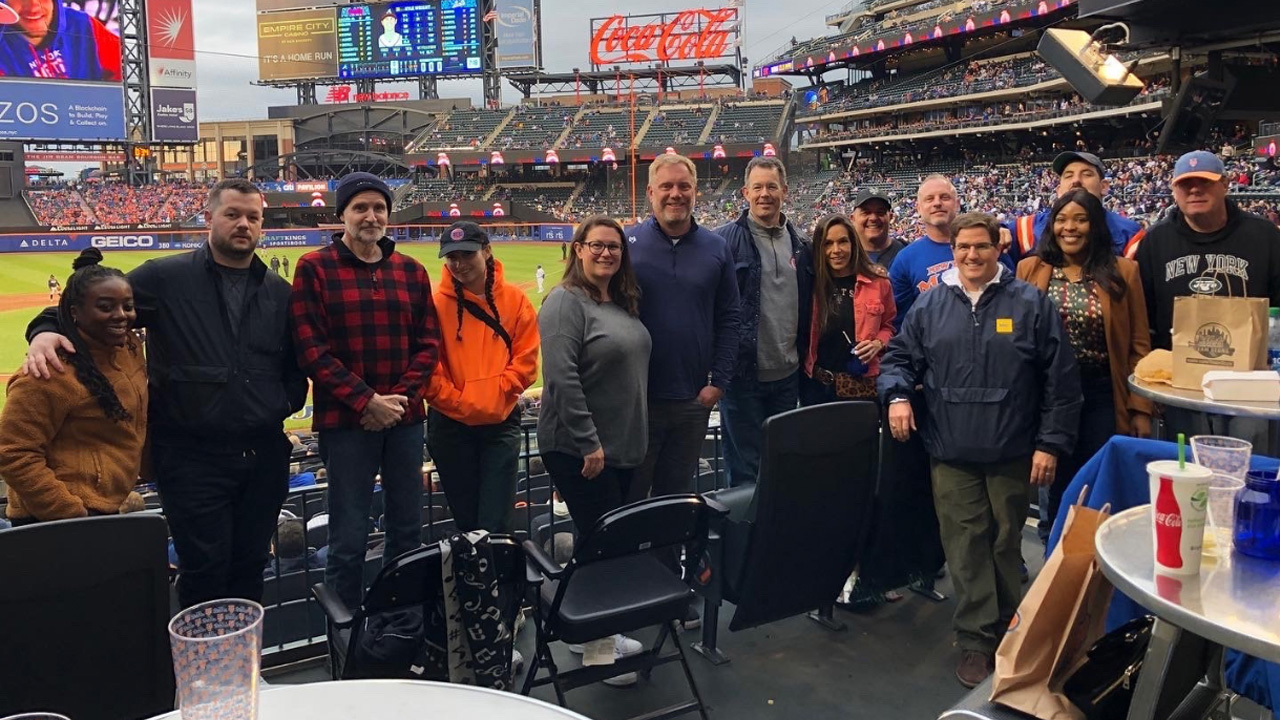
(367, 334)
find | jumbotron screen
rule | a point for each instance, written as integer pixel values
(408, 39)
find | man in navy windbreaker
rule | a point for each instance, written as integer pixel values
(1003, 397)
(51, 40)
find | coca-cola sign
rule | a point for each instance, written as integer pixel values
(671, 38)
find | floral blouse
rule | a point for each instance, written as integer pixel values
(1081, 312)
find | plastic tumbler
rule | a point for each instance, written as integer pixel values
(1221, 454)
(1222, 514)
(1179, 508)
(217, 650)
(1258, 516)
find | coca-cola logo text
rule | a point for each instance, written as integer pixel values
(692, 35)
(1168, 519)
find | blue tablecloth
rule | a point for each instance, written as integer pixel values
(1118, 475)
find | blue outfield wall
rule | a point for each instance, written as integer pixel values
(295, 237)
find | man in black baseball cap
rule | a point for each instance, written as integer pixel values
(1074, 170)
(872, 218)
(463, 236)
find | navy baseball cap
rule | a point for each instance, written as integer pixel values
(1198, 164)
(353, 184)
(463, 236)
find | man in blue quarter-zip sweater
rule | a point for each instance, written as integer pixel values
(689, 304)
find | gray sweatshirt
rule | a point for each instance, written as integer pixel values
(776, 353)
(595, 370)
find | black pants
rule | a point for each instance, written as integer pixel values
(676, 431)
(477, 466)
(1097, 425)
(587, 499)
(222, 506)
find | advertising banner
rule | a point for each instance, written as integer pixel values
(74, 41)
(274, 5)
(516, 27)
(37, 110)
(555, 233)
(173, 115)
(171, 44)
(678, 38)
(296, 45)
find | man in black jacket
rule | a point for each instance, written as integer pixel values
(1003, 395)
(222, 379)
(1207, 243)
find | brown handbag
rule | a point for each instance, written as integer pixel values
(854, 387)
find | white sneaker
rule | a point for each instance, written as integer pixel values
(623, 680)
(623, 646)
(517, 661)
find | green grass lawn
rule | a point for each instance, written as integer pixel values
(27, 275)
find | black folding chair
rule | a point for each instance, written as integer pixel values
(84, 613)
(615, 583)
(412, 580)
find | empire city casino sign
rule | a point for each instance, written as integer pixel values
(688, 35)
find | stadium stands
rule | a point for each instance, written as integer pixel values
(117, 203)
(678, 125)
(599, 128)
(534, 128)
(464, 129)
(746, 122)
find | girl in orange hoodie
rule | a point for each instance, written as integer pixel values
(489, 356)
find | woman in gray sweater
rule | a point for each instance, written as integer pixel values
(593, 425)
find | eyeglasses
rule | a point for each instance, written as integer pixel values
(963, 249)
(599, 248)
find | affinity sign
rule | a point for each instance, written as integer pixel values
(670, 37)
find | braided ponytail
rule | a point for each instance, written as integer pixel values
(458, 291)
(488, 287)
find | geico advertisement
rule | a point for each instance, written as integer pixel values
(32, 110)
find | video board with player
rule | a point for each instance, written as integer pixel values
(408, 39)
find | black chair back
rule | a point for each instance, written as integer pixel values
(84, 613)
(643, 526)
(811, 510)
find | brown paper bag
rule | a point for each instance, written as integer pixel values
(1062, 615)
(1217, 333)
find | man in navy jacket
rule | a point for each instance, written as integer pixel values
(1003, 395)
(689, 304)
(774, 267)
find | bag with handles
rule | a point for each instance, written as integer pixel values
(1217, 333)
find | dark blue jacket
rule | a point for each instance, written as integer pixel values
(1000, 380)
(1027, 230)
(689, 304)
(746, 266)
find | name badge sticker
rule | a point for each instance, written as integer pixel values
(1004, 326)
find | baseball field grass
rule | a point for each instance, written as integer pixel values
(24, 281)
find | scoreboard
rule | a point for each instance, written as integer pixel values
(408, 39)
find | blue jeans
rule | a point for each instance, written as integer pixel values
(352, 457)
(743, 410)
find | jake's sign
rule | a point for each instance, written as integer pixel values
(674, 38)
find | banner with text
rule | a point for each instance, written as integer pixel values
(61, 111)
(171, 44)
(173, 115)
(517, 28)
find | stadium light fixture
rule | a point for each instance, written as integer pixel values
(1098, 75)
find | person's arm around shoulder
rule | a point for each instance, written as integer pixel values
(34, 413)
(1061, 399)
(1140, 408)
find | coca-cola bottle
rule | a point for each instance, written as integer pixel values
(1168, 517)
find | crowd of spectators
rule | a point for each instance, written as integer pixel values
(116, 203)
(60, 205)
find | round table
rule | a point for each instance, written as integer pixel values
(1234, 601)
(1195, 400)
(363, 699)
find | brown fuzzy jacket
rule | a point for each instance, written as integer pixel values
(59, 453)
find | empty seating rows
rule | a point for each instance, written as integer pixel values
(675, 126)
(534, 128)
(751, 123)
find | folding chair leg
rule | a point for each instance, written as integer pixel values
(688, 672)
(664, 630)
(824, 616)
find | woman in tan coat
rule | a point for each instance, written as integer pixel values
(71, 445)
(1099, 297)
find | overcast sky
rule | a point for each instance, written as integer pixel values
(227, 63)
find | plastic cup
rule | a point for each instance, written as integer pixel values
(1222, 514)
(1179, 510)
(217, 651)
(1221, 454)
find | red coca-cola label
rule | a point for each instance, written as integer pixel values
(1168, 520)
(692, 35)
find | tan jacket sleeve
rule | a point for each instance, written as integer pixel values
(34, 412)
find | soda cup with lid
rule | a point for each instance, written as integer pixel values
(1179, 507)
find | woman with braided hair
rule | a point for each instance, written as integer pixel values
(488, 357)
(71, 446)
